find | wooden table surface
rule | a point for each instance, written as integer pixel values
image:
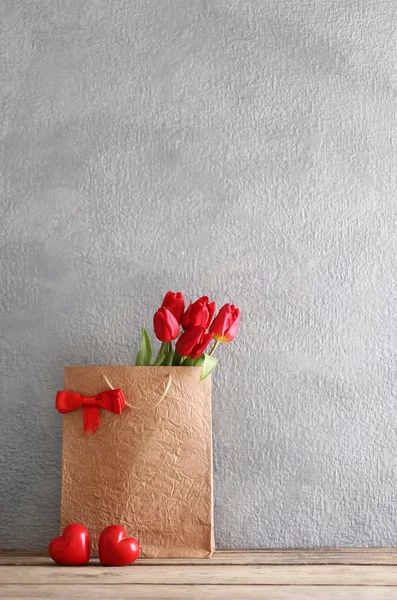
(369, 574)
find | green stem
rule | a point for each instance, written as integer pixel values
(177, 359)
(214, 347)
(188, 362)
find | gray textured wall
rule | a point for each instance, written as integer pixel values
(242, 149)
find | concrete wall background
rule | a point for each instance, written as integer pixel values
(240, 149)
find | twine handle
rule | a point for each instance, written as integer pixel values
(108, 382)
(153, 406)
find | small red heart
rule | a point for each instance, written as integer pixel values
(116, 549)
(72, 547)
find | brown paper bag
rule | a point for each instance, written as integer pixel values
(148, 470)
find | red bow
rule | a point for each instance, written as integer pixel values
(112, 400)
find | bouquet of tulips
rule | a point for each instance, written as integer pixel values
(192, 330)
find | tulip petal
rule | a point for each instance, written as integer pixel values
(211, 311)
(165, 325)
(175, 302)
(186, 317)
(232, 330)
(226, 323)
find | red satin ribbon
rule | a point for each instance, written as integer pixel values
(112, 400)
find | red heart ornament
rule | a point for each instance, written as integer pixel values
(116, 549)
(72, 548)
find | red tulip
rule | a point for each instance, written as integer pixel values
(175, 302)
(166, 327)
(226, 324)
(199, 313)
(193, 342)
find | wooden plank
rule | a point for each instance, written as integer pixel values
(77, 592)
(203, 575)
(341, 556)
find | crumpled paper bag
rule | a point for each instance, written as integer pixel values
(148, 470)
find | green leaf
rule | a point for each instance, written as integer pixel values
(144, 356)
(161, 354)
(168, 358)
(209, 365)
(159, 359)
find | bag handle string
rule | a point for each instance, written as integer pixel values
(155, 405)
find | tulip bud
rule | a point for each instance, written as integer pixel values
(193, 342)
(226, 324)
(198, 314)
(166, 327)
(175, 302)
